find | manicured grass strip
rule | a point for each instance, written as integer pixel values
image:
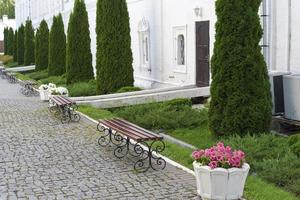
(257, 189)
(12, 65)
(95, 113)
(22, 77)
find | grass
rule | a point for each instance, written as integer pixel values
(22, 77)
(269, 156)
(12, 65)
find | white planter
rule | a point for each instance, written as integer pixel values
(220, 183)
(44, 94)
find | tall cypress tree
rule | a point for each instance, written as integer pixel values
(57, 48)
(5, 40)
(10, 42)
(240, 90)
(43, 43)
(20, 45)
(79, 56)
(114, 56)
(37, 49)
(29, 44)
(16, 46)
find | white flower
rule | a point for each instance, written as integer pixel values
(52, 85)
(44, 87)
(62, 90)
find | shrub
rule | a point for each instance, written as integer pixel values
(79, 57)
(296, 148)
(21, 45)
(129, 89)
(178, 103)
(10, 42)
(28, 43)
(43, 46)
(294, 139)
(5, 34)
(57, 48)
(83, 89)
(114, 56)
(240, 90)
(57, 80)
(6, 59)
(38, 75)
(37, 49)
(166, 115)
(16, 46)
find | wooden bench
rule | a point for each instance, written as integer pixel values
(130, 139)
(28, 88)
(64, 108)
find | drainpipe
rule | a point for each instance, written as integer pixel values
(289, 35)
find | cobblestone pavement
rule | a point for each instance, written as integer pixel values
(42, 159)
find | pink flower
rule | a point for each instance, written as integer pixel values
(213, 164)
(196, 155)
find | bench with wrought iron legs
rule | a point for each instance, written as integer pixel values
(64, 109)
(11, 77)
(130, 139)
(28, 88)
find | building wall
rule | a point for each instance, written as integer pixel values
(5, 22)
(161, 18)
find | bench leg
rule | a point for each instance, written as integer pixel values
(148, 159)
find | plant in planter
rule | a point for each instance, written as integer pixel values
(220, 172)
(44, 92)
(59, 91)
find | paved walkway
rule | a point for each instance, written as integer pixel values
(42, 159)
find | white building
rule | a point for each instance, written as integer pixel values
(172, 40)
(5, 22)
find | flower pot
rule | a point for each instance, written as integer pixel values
(44, 94)
(220, 183)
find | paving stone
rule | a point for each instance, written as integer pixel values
(40, 158)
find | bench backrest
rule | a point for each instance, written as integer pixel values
(130, 130)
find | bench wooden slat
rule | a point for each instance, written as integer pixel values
(121, 130)
(130, 130)
(140, 128)
(137, 129)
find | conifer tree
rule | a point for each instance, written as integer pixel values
(16, 46)
(20, 45)
(43, 45)
(79, 56)
(114, 56)
(240, 90)
(37, 49)
(57, 48)
(10, 42)
(5, 40)
(28, 44)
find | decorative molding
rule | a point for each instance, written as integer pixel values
(143, 25)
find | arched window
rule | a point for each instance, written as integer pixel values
(180, 50)
(144, 44)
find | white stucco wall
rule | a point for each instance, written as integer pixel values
(163, 16)
(5, 22)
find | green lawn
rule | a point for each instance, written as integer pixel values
(261, 150)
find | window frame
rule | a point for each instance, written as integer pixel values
(177, 32)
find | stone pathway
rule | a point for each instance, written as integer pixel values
(42, 159)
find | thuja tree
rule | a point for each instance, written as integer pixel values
(28, 43)
(114, 56)
(57, 48)
(10, 42)
(79, 56)
(20, 45)
(5, 34)
(43, 45)
(37, 49)
(240, 90)
(16, 46)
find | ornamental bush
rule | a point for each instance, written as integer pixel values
(79, 57)
(114, 56)
(10, 42)
(20, 45)
(240, 90)
(5, 40)
(37, 49)
(16, 46)
(28, 43)
(43, 41)
(57, 48)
